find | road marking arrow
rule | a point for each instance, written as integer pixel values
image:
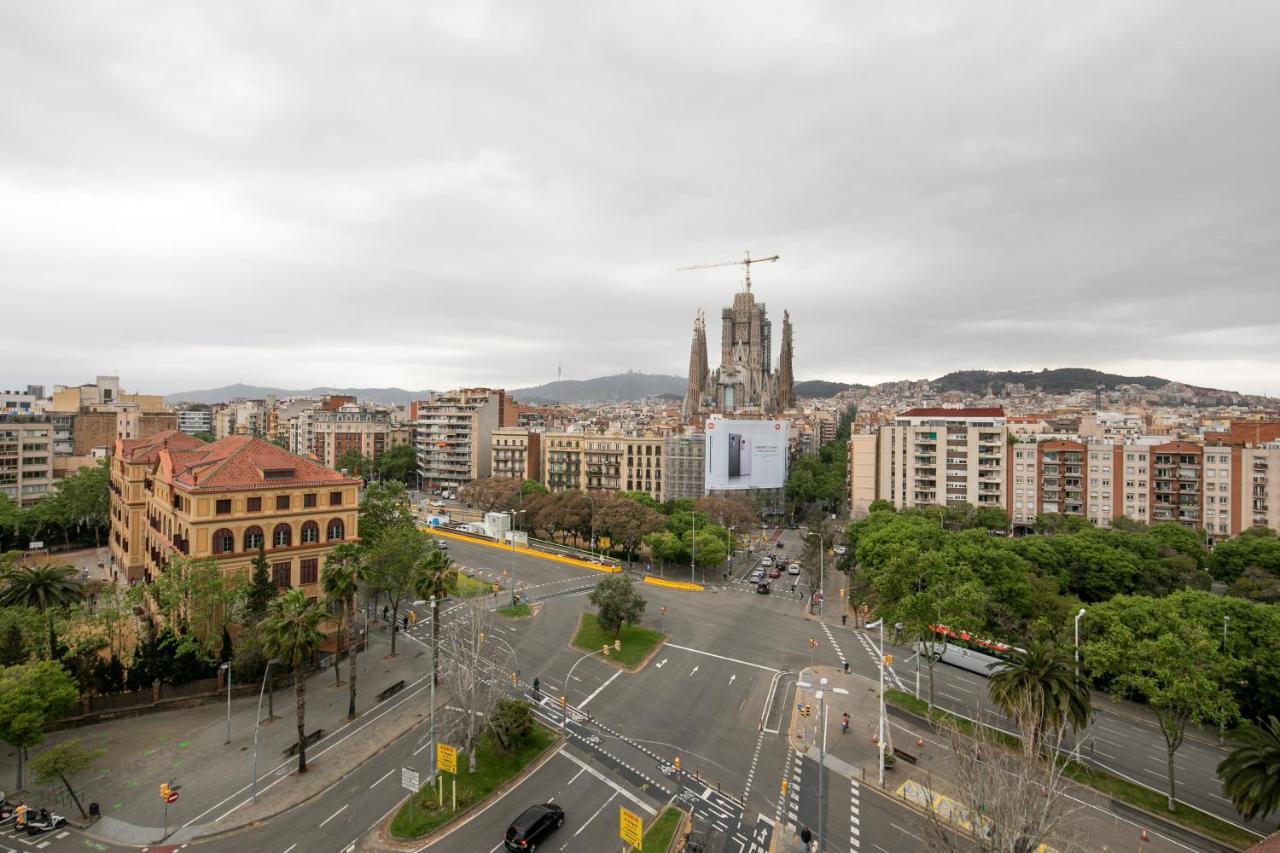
(659, 664)
(695, 669)
(732, 677)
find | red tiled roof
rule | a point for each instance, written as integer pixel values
(993, 412)
(241, 462)
(142, 451)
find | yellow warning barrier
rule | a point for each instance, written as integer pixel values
(568, 561)
(690, 587)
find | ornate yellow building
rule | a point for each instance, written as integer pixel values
(174, 494)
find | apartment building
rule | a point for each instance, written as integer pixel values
(26, 458)
(352, 429)
(683, 459)
(244, 417)
(454, 434)
(563, 461)
(195, 421)
(27, 402)
(174, 494)
(516, 452)
(946, 456)
(1177, 475)
(642, 465)
(862, 472)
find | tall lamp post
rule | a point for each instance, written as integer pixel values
(227, 667)
(822, 571)
(564, 713)
(513, 513)
(1077, 651)
(256, 723)
(882, 730)
(1222, 726)
(693, 547)
(431, 775)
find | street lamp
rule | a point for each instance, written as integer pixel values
(729, 556)
(1222, 725)
(513, 514)
(1077, 652)
(227, 667)
(879, 623)
(256, 723)
(564, 712)
(693, 546)
(592, 501)
(431, 775)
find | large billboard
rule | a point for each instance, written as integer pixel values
(745, 454)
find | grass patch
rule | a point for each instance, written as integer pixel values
(519, 611)
(659, 834)
(465, 586)
(1098, 780)
(637, 642)
(493, 769)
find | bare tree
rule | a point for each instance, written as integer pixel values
(479, 665)
(1012, 797)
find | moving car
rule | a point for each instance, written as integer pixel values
(793, 569)
(757, 575)
(766, 562)
(839, 549)
(763, 587)
(442, 544)
(779, 544)
(533, 826)
(775, 572)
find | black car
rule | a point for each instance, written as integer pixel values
(763, 587)
(533, 826)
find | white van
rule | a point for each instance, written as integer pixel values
(793, 569)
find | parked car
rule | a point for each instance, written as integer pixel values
(793, 569)
(533, 826)
(775, 572)
(839, 549)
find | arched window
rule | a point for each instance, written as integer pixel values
(282, 536)
(253, 538)
(335, 529)
(224, 542)
(310, 533)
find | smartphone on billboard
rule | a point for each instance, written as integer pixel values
(735, 454)
(744, 456)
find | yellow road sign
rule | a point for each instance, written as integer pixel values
(446, 758)
(630, 828)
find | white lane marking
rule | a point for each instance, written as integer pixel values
(659, 664)
(371, 787)
(694, 671)
(330, 817)
(290, 847)
(609, 681)
(722, 657)
(597, 813)
(652, 812)
(733, 678)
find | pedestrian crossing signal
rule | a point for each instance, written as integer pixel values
(807, 710)
(164, 790)
(562, 703)
(676, 762)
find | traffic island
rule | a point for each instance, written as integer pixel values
(663, 832)
(638, 644)
(431, 810)
(519, 611)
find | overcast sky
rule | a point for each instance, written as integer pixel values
(433, 194)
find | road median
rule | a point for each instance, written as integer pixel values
(684, 585)
(520, 549)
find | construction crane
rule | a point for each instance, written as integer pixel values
(745, 264)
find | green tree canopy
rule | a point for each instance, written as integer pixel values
(62, 761)
(32, 697)
(398, 463)
(617, 602)
(44, 586)
(1257, 547)
(383, 507)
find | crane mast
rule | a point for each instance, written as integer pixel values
(745, 264)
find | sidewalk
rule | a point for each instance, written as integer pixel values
(187, 748)
(855, 756)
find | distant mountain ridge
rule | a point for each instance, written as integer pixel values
(240, 391)
(1063, 380)
(603, 389)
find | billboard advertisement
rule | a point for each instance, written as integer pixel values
(745, 454)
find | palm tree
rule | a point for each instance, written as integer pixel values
(341, 571)
(1251, 773)
(291, 632)
(436, 578)
(1043, 691)
(45, 587)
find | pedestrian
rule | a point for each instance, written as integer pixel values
(537, 686)
(405, 625)
(806, 836)
(844, 618)
(384, 613)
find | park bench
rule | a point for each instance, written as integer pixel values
(309, 739)
(392, 690)
(904, 755)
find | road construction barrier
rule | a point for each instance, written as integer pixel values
(489, 543)
(688, 587)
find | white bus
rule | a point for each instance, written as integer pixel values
(964, 650)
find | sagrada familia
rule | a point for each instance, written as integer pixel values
(745, 382)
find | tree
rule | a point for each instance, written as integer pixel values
(1043, 692)
(45, 587)
(511, 722)
(62, 761)
(1257, 547)
(383, 507)
(398, 463)
(528, 488)
(617, 603)
(1251, 773)
(355, 463)
(13, 650)
(1256, 585)
(492, 494)
(342, 570)
(291, 633)
(32, 696)
(195, 598)
(1175, 667)
(735, 510)
(204, 436)
(436, 575)
(262, 591)
(393, 565)
(480, 666)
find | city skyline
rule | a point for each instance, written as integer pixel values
(213, 191)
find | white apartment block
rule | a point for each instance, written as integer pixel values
(942, 456)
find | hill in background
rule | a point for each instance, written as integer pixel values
(1060, 381)
(240, 391)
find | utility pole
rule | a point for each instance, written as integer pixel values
(693, 546)
(431, 774)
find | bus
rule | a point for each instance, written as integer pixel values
(966, 651)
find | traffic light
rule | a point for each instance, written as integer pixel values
(605, 649)
(784, 786)
(888, 660)
(676, 763)
(813, 642)
(808, 709)
(164, 790)
(513, 679)
(562, 703)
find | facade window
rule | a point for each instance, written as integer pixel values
(335, 499)
(253, 505)
(336, 529)
(310, 571)
(282, 501)
(280, 573)
(253, 538)
(310, 533)
(223, 506)
(282, 536)
(309, 500)
(224, 542)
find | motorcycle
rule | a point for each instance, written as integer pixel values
(43, 821)
(8, 814)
